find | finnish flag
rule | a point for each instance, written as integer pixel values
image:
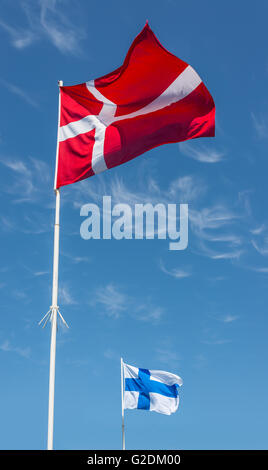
(153, 390)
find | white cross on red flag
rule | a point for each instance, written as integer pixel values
(154, 98)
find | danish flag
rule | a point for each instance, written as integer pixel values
(154, 98)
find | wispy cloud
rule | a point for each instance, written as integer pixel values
(258, 230)
(263, 270)
(7, 347)
(40, 273)
(19, 37)
(26, 181)
(34, 224)
(177, 273)
(216, 342)
(213, 227)
(261, 247)
(76, 259)
(235, 254)
(229, 318)
(18, 91)
(31, 178)
(186, 189)
(7, 224)
(111, 354)
(216, 335)
(210, 218)
(46, 19)
(201, 152)
(18, 166)
(226, 318)
(260, 239)
(147, 312)
(20, 294)
(219, 231)
(35, 273)
(260, 124)
(58, 28)
(115, 302)
(65, 295)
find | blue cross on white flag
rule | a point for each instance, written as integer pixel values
(153, 390)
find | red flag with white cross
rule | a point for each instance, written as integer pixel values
(154, 98)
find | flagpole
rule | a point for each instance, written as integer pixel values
(122, 401)
(54, 309)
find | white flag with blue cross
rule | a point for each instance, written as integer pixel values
(153, 390)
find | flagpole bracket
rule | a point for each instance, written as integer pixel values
(49, 315)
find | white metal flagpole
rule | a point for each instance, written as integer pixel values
(122, 400)
(54, 309)
(54, 305)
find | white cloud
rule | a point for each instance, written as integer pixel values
(215, 229)
(17, 166)
(261, 246)
(76, 259)
(65, 296)
(261, 269)
(40, 273)
(46, 19)
(7, 225)
(177, 273)
(148, 313)
(20, 38)
(261, 126)
(216, 341)
(7, 347)
(227, 255)
(219, 231)
(201, 152)
(18, 91)
(228, 318)
(184, 189)
(260, 239)
(58, 28)
(232, 239)
(20, 294)
(113, 301)
(31, 178)
(215, 217)
(258, 230)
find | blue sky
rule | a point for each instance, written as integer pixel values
(200, 313)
